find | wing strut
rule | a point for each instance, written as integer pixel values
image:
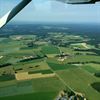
(6, 18)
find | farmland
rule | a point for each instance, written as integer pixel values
(39, 68)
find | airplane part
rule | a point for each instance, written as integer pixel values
(6, 18)
(79, 1)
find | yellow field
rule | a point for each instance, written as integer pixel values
(26, 76)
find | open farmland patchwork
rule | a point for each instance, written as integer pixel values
(37, 68)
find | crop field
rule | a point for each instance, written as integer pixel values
(84, 58)
(50, 49)
(50, 67)
(32, 96)
(80, 81)
(95, 66)
(56, 67)
(81, 46)
(41, 88)
(41, 71)
(91, 69)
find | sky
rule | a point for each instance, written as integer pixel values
(52, 11)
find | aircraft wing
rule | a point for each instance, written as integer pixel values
(78, 1)
(6, 18)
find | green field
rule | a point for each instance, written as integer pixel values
(46, 89)
(76, 73)
(32, 96)
(90, 69)
(83, 58)
(41, 71)
(7, 78)
(56, 67)
(80, 81)
(50, 49)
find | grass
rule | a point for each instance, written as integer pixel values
(7, 77)
(92, 68)
(34, 65)
(80, 81)
(95, 66)
(80, 78)
(83, 58)
(37, 89)
(47, 84)
(50, 49)
(97, 74)
(6, 70)
(32, 96)
(4, 60)
(66, 50)
(96, 86)
(2, 39)
(55, 66)
(77, 45)
(15, 90)
(41, 71)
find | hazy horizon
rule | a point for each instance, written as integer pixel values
(53, 12)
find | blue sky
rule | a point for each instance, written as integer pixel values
(51, 11)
